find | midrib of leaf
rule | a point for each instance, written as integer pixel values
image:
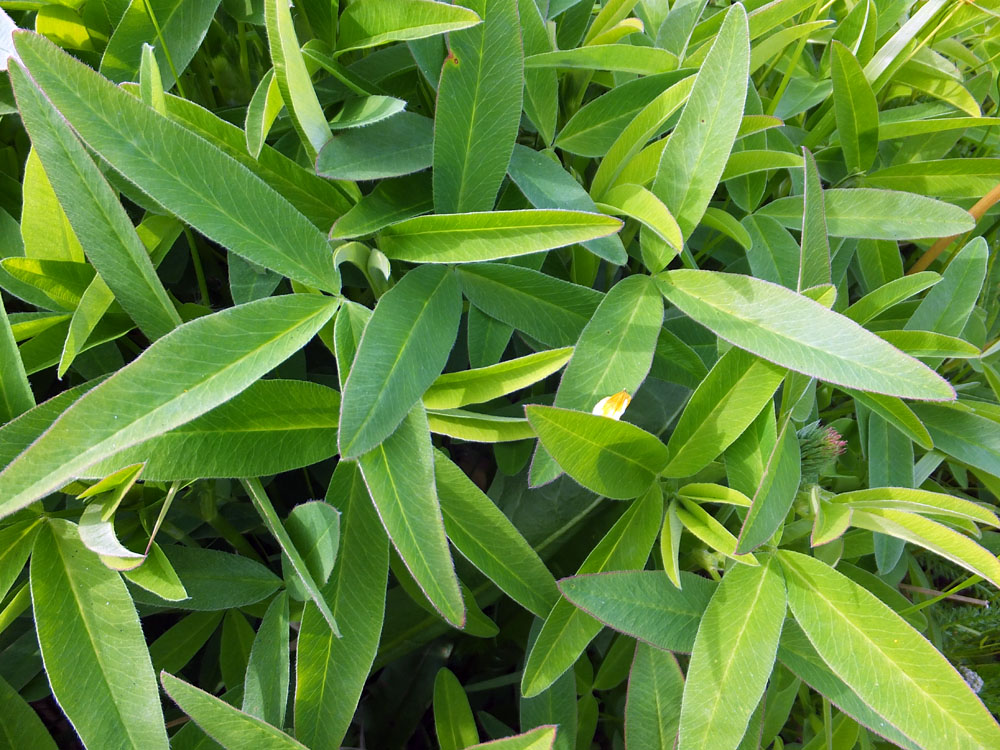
(587, 440)
(165, 167)
(95, 641)
(737, 642)
(503, 227)
(819, 595)
(199, 386)
(373, 403)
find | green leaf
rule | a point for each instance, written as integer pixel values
(262, 111)
(930, 344)
(331, 671)
(164, 388)
(61, 282)
(540, 738)
(877, 214)
(158, 576)
(947, 306)
(478, 109)
(699, 146)
(405, 146)
(856, 110)
(271, 427)
(547, 185)
(639, 203)
(21, 725)
(367, 23)
(945, 178)
(619, 58)
(389, 202)
(644, 604)
(265, 691)
(92, 644)
(214, 580)
(704, 525)
(897, 413)
(548, 309)
(15, 390)
(795, 332)
(487, 539)
(721, 408)
(263, 505)
(888, 294)
(933, 536)
(884, 660)
(969, 438)
(178, 30)
(541, 87)
(478, 428)
(314, 529)
(453, 721)
(567, 630)
(775, 492)
(606, 363)
(615, 459)
(98, 219)
(178, 645)
(404, 348)
(400, 478)
(596, 125)
(455, 389)
(653, 707)
(773, 253)
(220, 721)
(366, 110)
(15, 546)
(556, 705)
(733, 656)
(293, 78)
(178, 169)
(814, 261)
(468, 238)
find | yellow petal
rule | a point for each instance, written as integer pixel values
(613, 406)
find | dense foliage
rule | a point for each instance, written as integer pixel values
(399, 373)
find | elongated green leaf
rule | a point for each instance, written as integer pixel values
(484, 536)
(164, 388)
(92, 645)
(404, 348)
(314, 528)
(262, 111)
(227, 725)
(478, 109)
(733, 656)
(776, 490)
(366, 110)
(158, 576)
(367, 23)
(795, 332)
(540, 738)
(454, 723)
(547, 185)
(640, 204)
(548, 309)
(644, 604)
(567, 630)
(176, 33)
(214, 580)
(331, 671)
(797, 653)
(887, 295)
(467, 238)
(707, 528)
(933, 536)
(856, 110)
(265, 691)
(556, 705)
(455, 389)
(604, 364)
(621, 58)
(877, 214)
(948, 305)
(182, 172)
(969, 438)
(405, 146)
(615, 459)
(99, 221)
(15, 391)
(389, 202)
(541, 87)
(293, 78)
(21, 725)
(897, 413)
(814, 260)
(653, 710)
(15, 546)
(61, 282)
(478, 428)
(400, 478)
(884, 660)
(273, 426)
(699, 146)
(723, 406)
(930, 344)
